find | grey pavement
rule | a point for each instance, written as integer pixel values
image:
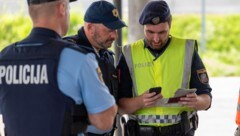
(219, 120)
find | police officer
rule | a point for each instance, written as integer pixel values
(162, 60)
(42, 86)
(101, 22)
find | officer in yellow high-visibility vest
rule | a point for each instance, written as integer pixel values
(162, 60)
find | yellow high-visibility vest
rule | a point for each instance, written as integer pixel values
(171, 70)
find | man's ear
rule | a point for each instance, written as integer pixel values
(90, 28)
(170, 24)
(62, 7)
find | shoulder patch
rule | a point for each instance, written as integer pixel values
(202, 76)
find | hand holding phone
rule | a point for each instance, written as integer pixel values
(157, 90)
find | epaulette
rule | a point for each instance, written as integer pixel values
(80, 49)
(72, 39)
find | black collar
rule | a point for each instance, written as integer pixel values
(155, 52)
(83, 41)
(82, 38)
(38, 37)
(45, 32)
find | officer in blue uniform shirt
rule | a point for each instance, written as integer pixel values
(42, 88)
(101, 22)
(156, 54)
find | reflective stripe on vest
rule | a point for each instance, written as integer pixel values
(140, 60)
(128, 57)
(171, 119)
(238, 111)
(189, 48)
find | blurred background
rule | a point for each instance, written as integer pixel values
(214, 23)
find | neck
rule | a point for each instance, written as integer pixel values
(49, 24)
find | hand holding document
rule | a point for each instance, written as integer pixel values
(173, 101)
(182, 92)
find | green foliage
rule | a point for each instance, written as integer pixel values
(224, 63)
(222, 45)
(76, 21)
(222, 33)
(13, 28)
(186, 26)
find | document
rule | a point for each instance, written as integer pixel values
(173, 101)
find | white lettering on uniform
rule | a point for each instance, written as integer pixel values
(9, 74)
(2, 73)
(24, 74)
(36, 78)
(15, 80)
(44, 76)
(20, 74)
(26, 78)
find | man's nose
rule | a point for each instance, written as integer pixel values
(156, 38)
(114, 34)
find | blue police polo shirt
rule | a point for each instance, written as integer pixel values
(79, 79)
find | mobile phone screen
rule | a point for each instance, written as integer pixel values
(157, 90)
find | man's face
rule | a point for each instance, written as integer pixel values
(156, 35)
(103, 36)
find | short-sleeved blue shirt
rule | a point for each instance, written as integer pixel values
(105, 61)
(79, 79)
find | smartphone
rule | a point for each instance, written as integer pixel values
(157, 90)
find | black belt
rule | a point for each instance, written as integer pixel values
(166, 130)
(92, 134)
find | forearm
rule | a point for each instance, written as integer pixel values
(204, 102)
(130, 105)
(105, 119)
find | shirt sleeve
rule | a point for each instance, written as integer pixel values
(199, 77)
(125, 84)
(79, 77)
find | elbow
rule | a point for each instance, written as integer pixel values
(104, 120)
(209, 103)
(205, 102)
(122, 110)
(105, 125)
(128, 105)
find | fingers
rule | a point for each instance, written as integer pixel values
(150, 99)
(190, 100)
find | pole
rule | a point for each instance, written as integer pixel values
(117, 51)
(118, 42)
(203, 40)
